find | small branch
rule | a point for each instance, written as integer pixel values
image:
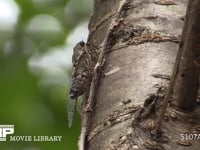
(186, 84)
(157, 132)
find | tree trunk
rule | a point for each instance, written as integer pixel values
(142, 48)
(186, 81)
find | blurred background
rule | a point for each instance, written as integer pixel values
(36, 44)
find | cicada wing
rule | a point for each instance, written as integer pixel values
(71, 110)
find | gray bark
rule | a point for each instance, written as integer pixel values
(143, 46)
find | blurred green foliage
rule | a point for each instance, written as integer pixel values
(33, 101)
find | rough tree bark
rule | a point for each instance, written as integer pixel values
(139, 58)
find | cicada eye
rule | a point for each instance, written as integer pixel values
(76, 55)
(75, 58)
(81, 43)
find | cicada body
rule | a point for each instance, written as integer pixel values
(84, 59)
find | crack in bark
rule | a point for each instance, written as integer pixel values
(127, 34)
(115, 117)
(123, 142)
(150, 105)
(161, 76)
(165, 2)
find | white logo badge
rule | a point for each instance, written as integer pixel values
(5, 130)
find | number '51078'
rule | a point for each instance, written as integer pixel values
(190, 136)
